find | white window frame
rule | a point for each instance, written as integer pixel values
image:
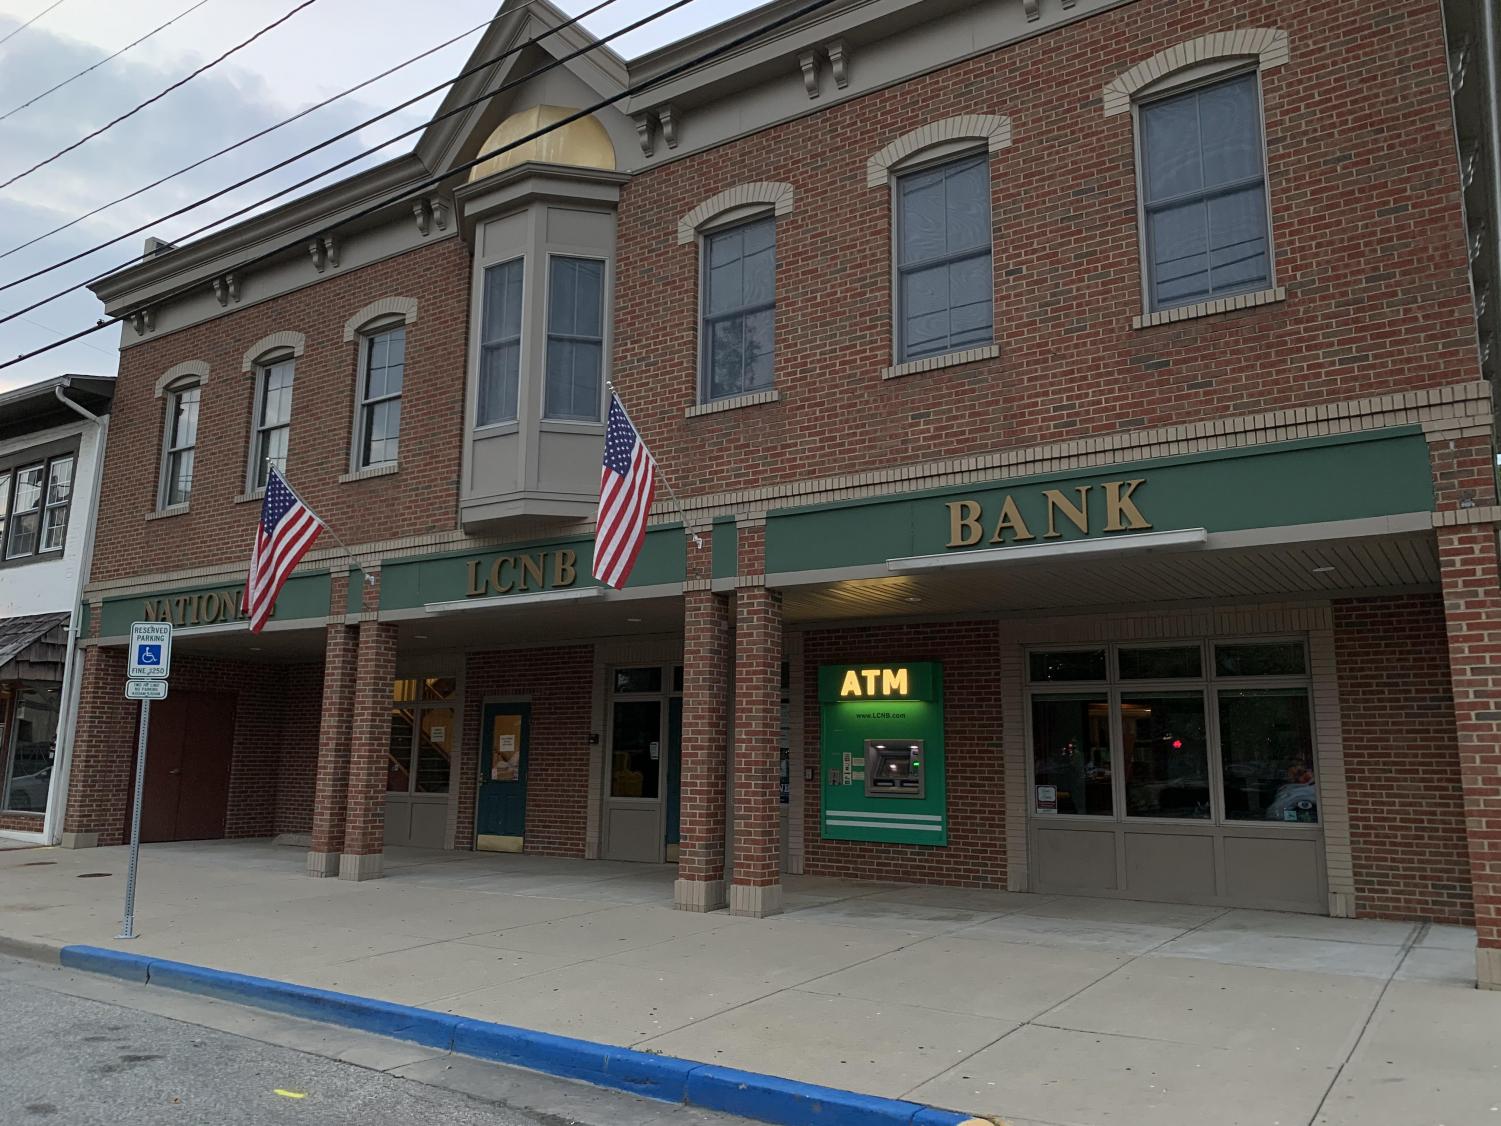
(12, 484)
(258, 427)
(50, 506)
(606, 297)
(1198, 78)
(521, 343)
(935, 156)
(728, 221)
(164, 490)
(1208, 683)
(362, 402)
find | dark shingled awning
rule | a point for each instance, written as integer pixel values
(33, 646)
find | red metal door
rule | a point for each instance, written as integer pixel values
(189, 748)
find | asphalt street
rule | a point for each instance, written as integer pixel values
(79, 1052)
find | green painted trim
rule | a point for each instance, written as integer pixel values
(303, 597)
(726, 546)
(1311, 481)
(411, 583)
(1115, 470)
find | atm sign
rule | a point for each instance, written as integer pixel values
(866, 683)
(911, 681)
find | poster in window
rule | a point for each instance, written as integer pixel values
(505, 754)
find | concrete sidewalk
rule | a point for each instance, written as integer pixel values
(1039, 1009)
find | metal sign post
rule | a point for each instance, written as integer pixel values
(148, 663)
(127, 929)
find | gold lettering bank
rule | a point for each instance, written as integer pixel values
(968, 518)
(206, 608)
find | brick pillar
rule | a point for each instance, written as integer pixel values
(756, 879)
(369, 740)
(340, 656)
(101, 769)
(1470, 566)
(706, 689)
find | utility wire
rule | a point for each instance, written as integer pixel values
(101, 62)
(358, 127)
(363, 154)
(230, 148)
(17, 31)
(401, 194)
(157, 97)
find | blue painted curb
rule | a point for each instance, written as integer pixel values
(664, 1078)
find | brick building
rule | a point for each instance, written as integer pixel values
(1080, 424)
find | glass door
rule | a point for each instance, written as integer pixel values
(642, 741)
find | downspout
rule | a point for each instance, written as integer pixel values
(57, 793)
(1491, 37)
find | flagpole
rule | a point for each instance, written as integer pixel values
(698, 540)
(327, 527)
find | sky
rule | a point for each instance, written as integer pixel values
(318, 52)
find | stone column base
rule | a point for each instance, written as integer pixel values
(755, 901)
(361, 866)
(698, 895)
(322, 863)
(80, 840)
(1488, 968)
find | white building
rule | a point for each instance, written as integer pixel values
(52, 438)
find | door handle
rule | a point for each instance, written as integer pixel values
(177, 771)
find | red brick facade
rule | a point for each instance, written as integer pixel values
(558, 684)
(421, 497)
(1407, 828)
(1363, 192)
(972, 727)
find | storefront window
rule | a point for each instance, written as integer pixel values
(1265, 658)
(1166, 754)
(1078, 664)
(1266, 743)
(647, 679)
(434, 738)
(1160, 662)
(28, 747)
(423, 734)
(1071, 754)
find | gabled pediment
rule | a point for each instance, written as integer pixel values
(537, 29)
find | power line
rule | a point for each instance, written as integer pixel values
(50, 328)
(157, 97)
(101, 62)
(667, 75)
(358, 127)
(305, 181)
(230, 148)
(17, 31)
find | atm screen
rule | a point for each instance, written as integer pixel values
(894, 768)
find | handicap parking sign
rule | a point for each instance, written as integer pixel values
(150, 655)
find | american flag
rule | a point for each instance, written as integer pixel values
(287, 529)
(626, 486)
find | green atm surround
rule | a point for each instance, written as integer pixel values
(885, 702)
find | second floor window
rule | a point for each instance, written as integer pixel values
(500, 345)
(273, 421)
(181, 440)
(380, 397)
(34, 502)
(1204, 194)
(945, 291)
(739, 310)
(575, 339)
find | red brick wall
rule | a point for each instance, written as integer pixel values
(100, 783)
(1401, 761)
(421, 497)
(1366, 223)
(976, 853)
(559, 683)
(297, 760)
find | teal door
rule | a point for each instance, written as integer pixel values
(505, 736)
